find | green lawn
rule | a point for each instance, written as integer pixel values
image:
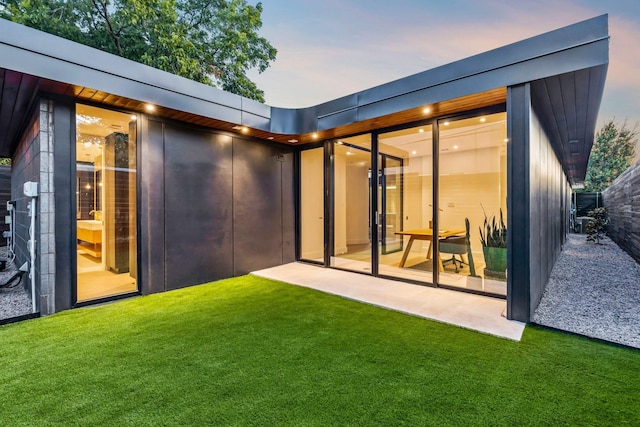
(250, 351)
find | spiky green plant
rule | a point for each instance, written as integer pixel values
(493, 233)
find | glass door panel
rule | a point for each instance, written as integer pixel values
(352, 204)
(406, 159)
(472, 186)
(312, 205)
(105, 203)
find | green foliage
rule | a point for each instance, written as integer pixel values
(493, 234)
(5, 161)
(597, 225)
(612, 153)
(215, 42)
(251, 351)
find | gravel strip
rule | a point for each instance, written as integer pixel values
(594, 290)
(14, 301)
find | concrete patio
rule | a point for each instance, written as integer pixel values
(475, 312)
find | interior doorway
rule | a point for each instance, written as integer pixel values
(105, 208)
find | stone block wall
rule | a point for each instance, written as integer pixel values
(33, 161)
(622, 200)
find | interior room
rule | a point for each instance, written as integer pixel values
(472, 187)
(105, 203)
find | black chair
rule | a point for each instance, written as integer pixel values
(454, 245)
(460, 246)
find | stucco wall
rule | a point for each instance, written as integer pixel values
(622, 200)
(33, 161)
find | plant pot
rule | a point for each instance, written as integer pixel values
(496, 262)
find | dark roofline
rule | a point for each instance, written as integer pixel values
(47, 56)
(575, 56)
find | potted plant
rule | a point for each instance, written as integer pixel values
(493, 235)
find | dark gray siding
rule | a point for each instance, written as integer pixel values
(5, 196)
(64, 186)
(518, 201)
(198, 201)
(547, 212)
(212, 205)
(151, 207)
(538, 201)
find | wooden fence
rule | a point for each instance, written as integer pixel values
(622, 200)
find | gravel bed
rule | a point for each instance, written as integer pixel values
(14, 301)
(594, 290)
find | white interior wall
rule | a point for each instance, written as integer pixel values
(357, 209)
(312, 203)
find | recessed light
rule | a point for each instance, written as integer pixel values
(150, 107)
(237, 127)
(414, 152)
(455, 147)
(134, 117)
(426, 110)
(245, 129)
(446, 123)
(506, 140)
(314, 135)
(293, 141)
(421, 130)
(483, 119)
(340, 142)
(270, 138)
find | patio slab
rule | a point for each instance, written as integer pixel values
(475, 312)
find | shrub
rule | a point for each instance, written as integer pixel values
(597, 225)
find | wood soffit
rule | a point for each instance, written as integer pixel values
(474, 101)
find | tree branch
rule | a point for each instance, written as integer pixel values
(101, 9)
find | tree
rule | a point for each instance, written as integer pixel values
(215, 42)
(612, 154)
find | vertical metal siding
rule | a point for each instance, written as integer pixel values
(64, 160)
(518, 200)
(198, 206)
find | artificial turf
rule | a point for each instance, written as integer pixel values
(251, 351)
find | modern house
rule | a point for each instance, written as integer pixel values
(140, 181)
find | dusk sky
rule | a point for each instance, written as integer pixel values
(331, 48)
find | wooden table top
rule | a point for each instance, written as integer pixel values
(429, 232)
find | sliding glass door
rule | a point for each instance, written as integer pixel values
(352, 228)
(406, 161)
(381, 213)
(472, 189)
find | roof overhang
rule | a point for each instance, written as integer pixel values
(32, 62)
